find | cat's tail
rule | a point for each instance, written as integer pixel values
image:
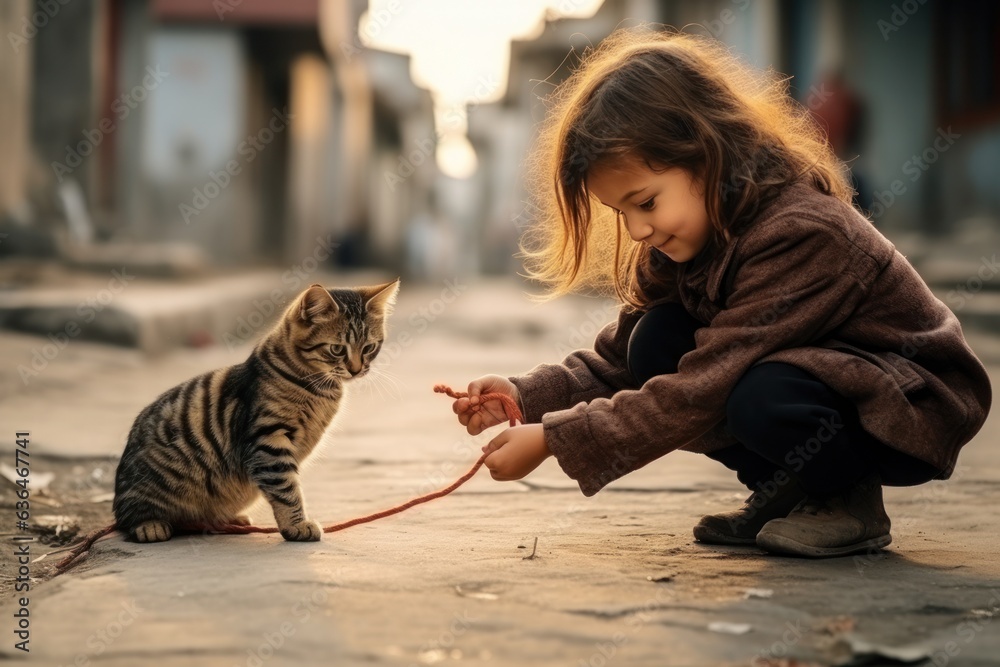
(83, 548)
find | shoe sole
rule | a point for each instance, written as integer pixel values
(711, 536)
(779, 544)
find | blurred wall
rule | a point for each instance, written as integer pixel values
(258, 133)
(67, 92)
(925, 168)
(205, 154)
(15, 76)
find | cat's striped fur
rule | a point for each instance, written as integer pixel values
(204, 451)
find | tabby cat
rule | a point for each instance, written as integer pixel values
(204, 451)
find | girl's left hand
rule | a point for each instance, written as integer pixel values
(516, 452)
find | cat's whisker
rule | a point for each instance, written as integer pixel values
(333, 381)
(317, 378)
(384, 373)
(378, 384)
(380, 379)
(368, 382)
(314, 383)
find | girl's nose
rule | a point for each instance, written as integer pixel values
(638, 230)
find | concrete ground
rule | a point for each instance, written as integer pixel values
(615, 579)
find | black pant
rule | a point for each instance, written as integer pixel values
(788, 422)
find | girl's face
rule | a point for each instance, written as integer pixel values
(665, 210)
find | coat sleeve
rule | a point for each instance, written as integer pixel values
(583, 375)
(798, 280)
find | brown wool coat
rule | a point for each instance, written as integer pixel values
(811, 283)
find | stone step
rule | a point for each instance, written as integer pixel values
(152, 315)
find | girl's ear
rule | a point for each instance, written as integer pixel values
(316, 305)
(381, 297)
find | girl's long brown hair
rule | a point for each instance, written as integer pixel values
(673, 100)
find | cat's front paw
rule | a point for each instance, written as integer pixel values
(305, 531)
(153, 531)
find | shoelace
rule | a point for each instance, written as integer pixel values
(812, 505)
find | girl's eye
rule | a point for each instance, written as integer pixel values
(337, 350)
(648, 204)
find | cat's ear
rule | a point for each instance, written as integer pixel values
(382, 297)
(316, 305)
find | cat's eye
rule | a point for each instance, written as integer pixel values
(337, 350)
(369, 348)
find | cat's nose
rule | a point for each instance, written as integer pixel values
(354, 372)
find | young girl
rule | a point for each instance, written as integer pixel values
(764, 321)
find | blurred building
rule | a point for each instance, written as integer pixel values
(917, 104)
(15, 78)
(224, 126)
(927, 75)
(257, 131)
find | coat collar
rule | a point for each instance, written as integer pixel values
(719, 268)
(706, 275)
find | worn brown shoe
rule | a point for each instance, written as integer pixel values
(741, 526)
(852, 522)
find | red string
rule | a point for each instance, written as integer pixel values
(510, 406)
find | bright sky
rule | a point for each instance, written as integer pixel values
(460, 51)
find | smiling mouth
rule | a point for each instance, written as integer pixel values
(664, 244)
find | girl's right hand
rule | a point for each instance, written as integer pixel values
(476, 415)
